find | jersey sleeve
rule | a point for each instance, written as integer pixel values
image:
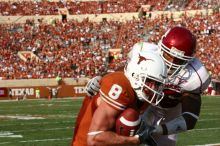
(116, 91)
(196, 78)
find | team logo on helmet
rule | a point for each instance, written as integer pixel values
(142, 58)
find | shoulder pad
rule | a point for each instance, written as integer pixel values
(193, 78)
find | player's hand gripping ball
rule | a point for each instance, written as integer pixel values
(128, 122)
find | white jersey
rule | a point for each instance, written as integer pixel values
(193, 78)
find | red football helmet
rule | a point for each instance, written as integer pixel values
(177, 48)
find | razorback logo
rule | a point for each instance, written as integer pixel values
(142, 58)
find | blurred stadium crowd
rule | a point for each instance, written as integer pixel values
(77, 49)
(50, 7)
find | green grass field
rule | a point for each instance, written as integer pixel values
(51, 123)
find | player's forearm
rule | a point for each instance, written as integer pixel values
(112, 139)
(186, 121)
(191, 104)
(176, 125)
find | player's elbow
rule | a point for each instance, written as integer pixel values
(190, 121)
(191, 124)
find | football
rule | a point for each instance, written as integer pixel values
(128, 122)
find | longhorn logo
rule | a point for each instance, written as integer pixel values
(142, 58)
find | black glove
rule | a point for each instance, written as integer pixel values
(145, 134)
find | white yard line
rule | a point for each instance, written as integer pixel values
(9, 134)
(35, 117)
(36, 140)
(217, 128)
(49, 129)
(214, 119)
(38, 123)
(27, 117)
(39, 105)
(3, 143)
(39, 140)
(211, 114)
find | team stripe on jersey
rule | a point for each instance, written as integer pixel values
(112, 102)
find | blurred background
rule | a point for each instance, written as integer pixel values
(49, 49)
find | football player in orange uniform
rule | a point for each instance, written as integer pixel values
(139, 85)
(188, 78)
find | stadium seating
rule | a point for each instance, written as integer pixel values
(78, 49)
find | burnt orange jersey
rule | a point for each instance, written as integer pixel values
(115, 89)
(83, 121)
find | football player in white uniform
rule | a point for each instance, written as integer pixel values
(188, 78)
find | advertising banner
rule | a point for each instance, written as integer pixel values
(42, 92)
(3, 92)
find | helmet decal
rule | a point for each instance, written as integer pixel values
(147, 73)
(142, 58)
